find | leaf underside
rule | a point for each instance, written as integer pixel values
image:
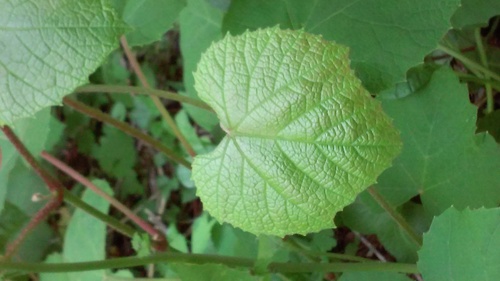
(304, 137)
(48, 48)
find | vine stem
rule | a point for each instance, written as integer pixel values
(490, 103)
(121, 89)
(54, 186)
(204, 259)
(155, 234)
(470, 63)
(402, 223)
(166, 116)
(96, 114)
(110, 221)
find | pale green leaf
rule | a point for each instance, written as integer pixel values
(201, 241)
(475, 13)
(442, 159)
(48, 49)
(150, 19)
(386, 37)
(462, 245)
(303, 136)
(85, 238)
(200, 25)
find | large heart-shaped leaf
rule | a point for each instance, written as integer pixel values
(48, 48)
(303, 136)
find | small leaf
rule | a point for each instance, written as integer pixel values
(48, 49)
(304, 137)
(462, 245)
(141, 244)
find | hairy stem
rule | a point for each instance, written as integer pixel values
(96, 114)
(108, 220)
(402, 223)
(166, 116)
(155, 234)
(54, 186)
(92, 88)
(204, 259)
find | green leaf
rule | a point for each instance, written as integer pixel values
(475, 13)
(442, 160)
(386, 37)
(416, 78)
(59, 276)
(303, 136)
(369, 276)
(48, 49)
(201, 240)
(367, 217)
(270, 249)
(141, 244)
(490, 123)
(37, 133)
(462, 245)
(150, 19)
(85, 238)
(116, 152)
(200, 25)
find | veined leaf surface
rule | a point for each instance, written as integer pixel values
(303, 136)
(48, 48)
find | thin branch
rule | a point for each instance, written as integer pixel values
(121, 89)
(110, 221)
(126, 128)
(204, 259)
(166, 116)
(155, 234)
(402, 223)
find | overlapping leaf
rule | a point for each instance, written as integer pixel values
(303, 136)
(386, 37)
(48, 48)
(442, 159)
(462, 245)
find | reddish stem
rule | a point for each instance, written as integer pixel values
(155, 234)
(54, 186)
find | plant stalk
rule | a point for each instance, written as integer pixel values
(490, 103)
(96, 114)
(402, 223)
(204, 259)
(54, 186)
(166, 116)
(121, 89)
